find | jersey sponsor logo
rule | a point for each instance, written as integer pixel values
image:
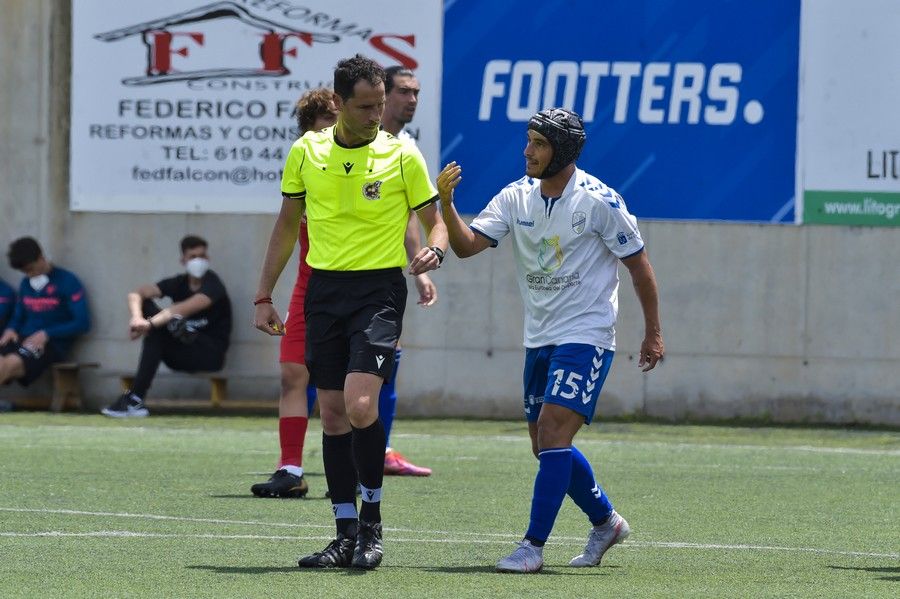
(524, 223)
(348, 166)
(372, 191)
(40, 304)
(550, 256)
(623, 237)
(578, 221)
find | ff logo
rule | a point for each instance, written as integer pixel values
(217, 30)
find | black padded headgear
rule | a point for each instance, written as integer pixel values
(564, 130)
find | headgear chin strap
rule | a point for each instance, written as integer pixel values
(564, 130)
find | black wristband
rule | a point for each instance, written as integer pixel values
(438, 252)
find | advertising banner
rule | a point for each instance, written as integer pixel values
(185, 105)
(690, 107)
(850, 134)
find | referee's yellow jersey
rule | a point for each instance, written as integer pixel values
(357, 199)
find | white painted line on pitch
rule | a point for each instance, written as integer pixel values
(660, 444)
(467, 438)
(253, 522)
(627, 545)
(159, 517)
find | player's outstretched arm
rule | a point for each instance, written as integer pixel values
(644, 281)
(463, 240)
(281, 246)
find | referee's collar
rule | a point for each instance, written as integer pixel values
(361, 145)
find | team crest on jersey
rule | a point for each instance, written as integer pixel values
(578, 221)
(372, 191)
(550, 256)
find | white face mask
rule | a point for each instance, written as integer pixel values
(38, 282)
(197, 267)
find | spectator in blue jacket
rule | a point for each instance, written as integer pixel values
(50, 312)
(7, 303)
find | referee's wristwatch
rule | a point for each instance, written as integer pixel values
(438, 252)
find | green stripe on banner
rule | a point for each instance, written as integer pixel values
(851, 208)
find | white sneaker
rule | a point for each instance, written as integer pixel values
(127, 406)
(527, 558)
(601, 538)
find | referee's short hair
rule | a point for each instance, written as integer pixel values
(351, 70)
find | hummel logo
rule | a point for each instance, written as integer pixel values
(379, 360)
(348, 166)
(597, 363)
(585, 397)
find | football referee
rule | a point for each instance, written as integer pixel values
(357, 185)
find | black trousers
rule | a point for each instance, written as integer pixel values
(203, 354)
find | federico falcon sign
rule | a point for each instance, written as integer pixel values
(181, 106)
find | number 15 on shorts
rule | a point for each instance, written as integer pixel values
(568, 386)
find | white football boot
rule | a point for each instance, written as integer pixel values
(526, 558)
(601, 538)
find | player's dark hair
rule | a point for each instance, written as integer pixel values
(351, 70)
(23, 251)
(310, 106)
(192, 241)
(395, 71)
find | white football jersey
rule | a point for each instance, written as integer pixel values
(567, 252)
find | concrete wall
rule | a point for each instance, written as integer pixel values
(791, 324)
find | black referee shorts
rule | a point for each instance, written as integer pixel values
(353, 323)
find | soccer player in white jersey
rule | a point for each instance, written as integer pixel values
(569, 231)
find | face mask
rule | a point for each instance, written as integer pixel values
(38, 282)
(197, 267)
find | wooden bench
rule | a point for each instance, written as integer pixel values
(218, 383)
(66, 386)
(218, 391)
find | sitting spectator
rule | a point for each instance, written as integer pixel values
(7, 303)
(50, 312)
(191, 335)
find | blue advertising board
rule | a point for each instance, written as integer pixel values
(690, 106)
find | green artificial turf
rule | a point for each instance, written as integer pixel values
(92, 507)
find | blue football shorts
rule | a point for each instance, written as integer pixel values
(569, 375)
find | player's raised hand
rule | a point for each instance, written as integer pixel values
(447, 180)
(266, 319)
